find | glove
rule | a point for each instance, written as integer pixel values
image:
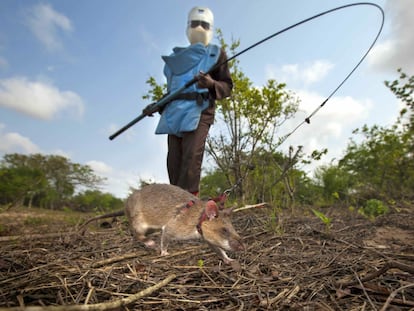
(149, 110)
(205, 81)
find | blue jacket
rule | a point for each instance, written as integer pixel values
(183, 115)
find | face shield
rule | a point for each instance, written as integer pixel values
(200, 25)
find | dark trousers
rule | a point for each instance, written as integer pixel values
(185, 156)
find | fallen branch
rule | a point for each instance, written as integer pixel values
(112, 260)
(392, 296)
(385, 268)
(259, 205)
(99, 306)
(286, 295)
(365, 291)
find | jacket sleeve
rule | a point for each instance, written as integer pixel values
(223, 83)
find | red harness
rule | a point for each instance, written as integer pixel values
(221, 199)
(202, 218)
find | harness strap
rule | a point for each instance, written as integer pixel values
(202, 218)
(198, 97)
(186, 206)
(204, 215)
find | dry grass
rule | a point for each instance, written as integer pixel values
(355, 265)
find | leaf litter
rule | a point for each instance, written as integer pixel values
(299, 264)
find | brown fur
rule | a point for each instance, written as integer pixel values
(163, 206)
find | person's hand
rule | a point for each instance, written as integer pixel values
(205, 81)
(150, 109)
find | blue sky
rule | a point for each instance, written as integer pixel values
(73, 72)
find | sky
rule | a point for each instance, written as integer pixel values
(74, 72)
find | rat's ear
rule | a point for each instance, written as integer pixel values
(211, 209)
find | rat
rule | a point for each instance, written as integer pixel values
(181, 216)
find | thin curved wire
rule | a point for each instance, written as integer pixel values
(307, 119)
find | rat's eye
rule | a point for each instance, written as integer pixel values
(224, 231)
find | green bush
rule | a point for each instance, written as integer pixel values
(374, 208)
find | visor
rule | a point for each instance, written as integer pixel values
(205, 25)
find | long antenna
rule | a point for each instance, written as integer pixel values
(168, 98)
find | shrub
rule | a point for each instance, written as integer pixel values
(374, 208)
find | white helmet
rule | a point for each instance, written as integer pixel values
(200, 25)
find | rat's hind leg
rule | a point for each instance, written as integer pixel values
(165, 239)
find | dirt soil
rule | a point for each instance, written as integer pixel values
(291, 263)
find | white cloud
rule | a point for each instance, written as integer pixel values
(304, 73)
(330, 127)
(118, 182)
(396, 51)
(100, 167)
(47, 24)
(317, 71)
(37, 99)
(14, 142)
(341, 109)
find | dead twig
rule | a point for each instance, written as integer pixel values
(259, 205)
(385, 268)
(106, 266)
(392, 296)
(365, 291)
(112, 260)
(99, 306)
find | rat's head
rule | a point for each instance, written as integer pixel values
(217, 229)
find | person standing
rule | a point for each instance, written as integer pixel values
(187, 118)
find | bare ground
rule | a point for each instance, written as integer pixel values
(291, 263)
